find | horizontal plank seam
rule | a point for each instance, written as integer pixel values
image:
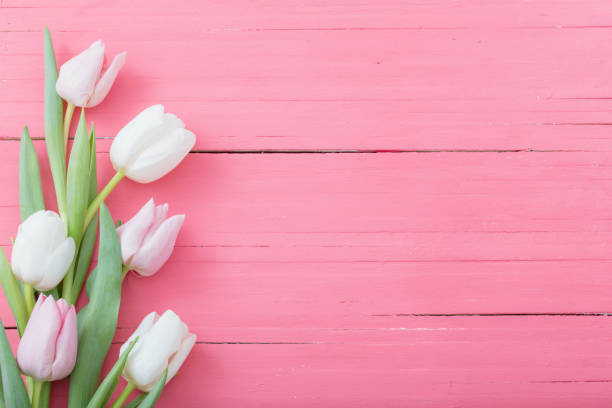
(511, 314)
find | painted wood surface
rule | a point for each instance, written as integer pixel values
(391, 203)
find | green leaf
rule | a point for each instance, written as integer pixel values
(89, 237)
(136, 401)
(53, 126)
(105, 390)
(152, 396)
(13, 293)
(98, 320)
(15, 394)
(77, 197)
(2, 405)
(30, 190)
(77, 190)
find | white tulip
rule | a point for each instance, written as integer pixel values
(42, 252)
(151, 145)
(164, 342)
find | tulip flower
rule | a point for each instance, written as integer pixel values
(164, 343)
(151, 145)
(42, 252)
(146, 149)
(48, 349)
(81, 81)
(147, 239)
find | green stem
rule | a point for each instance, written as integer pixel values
(95, 204)
(28, 294)
(124, 395)
(67, 121)
(124, 271)
(67, 283)
(36, 394)
(30, 386)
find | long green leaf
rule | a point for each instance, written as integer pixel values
(98, 320)
(2, 405)
(89, 237)
(152, 396)
(30, 189)
(13, 293)
(77, 198)
(15, 394)
(77, 190)
(53, 126)
(105, 390)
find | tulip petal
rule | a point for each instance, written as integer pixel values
(106, 81)
(144, 326)
(62, 307)
(176, 361)
(37, 238)
(36, 350)
(160, 215)
(66, 347)
(155, 252)
(78, 76)
(57, 265)
(132, 233)
(147, 363)
(128, 142)
(161, 157)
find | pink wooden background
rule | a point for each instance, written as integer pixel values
(391, 203)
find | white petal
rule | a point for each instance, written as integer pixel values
(161, 157)
(128, 142)
(177, 360)
(78, 76)
(144, 326)
(149, 359)
(106, 81)
(57, 265)
(37, 238)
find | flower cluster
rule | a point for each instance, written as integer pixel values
(52, 251)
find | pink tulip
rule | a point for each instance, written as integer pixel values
(48, 349)
(147, 240)
(81, 80)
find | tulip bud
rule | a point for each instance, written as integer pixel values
(164, 342)
(151, 145)
(147, 239)
(81, 81)
(48, 349)
(42, 252)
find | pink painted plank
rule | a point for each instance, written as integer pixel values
(454, 88)
(73, 15)
(487, 233)
(463, 361)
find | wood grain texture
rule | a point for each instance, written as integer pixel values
(429, 225)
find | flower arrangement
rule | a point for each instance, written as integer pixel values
(52, 251)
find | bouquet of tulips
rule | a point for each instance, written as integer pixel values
(52, 251)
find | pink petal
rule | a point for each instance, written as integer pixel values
(154, 253)
(66, 347)
(62, 307)
(36, 350)
(132, 233)
(160, 215)
(106, 81)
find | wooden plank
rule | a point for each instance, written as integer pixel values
(476, 88)
(465, 361)
(260, 241)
